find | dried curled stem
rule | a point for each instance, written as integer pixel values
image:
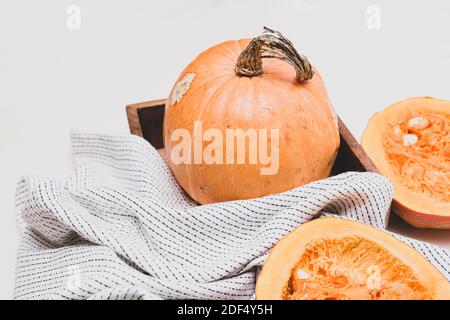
(271, 44)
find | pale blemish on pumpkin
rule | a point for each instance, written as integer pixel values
(181, 88)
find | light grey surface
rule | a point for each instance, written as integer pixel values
(53, 79)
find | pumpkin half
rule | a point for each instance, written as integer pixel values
(337, 259)
(409, 143)
(241, 89)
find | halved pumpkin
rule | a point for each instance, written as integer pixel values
(337, 259)
(409, 143)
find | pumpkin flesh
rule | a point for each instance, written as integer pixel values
(409, 143)
(338, 259)
(425, 165)
(341, 269)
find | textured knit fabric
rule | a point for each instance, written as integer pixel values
(121, 228)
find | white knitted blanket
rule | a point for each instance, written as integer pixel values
(121, 228)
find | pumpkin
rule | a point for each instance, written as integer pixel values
(409, 143)
(338, 259)
(249, 118)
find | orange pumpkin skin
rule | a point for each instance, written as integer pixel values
(421, 219)
(308, 132)
(419, 209)
(339, 259)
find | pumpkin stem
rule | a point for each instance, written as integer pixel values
(271, 44)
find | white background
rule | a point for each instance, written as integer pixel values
(53, 79)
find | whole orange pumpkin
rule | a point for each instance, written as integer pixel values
(249, 118)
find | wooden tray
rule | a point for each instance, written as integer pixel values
(146, 120)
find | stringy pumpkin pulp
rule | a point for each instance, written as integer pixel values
(424, 166)
(352, 268)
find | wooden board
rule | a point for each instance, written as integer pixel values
(146, 120)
